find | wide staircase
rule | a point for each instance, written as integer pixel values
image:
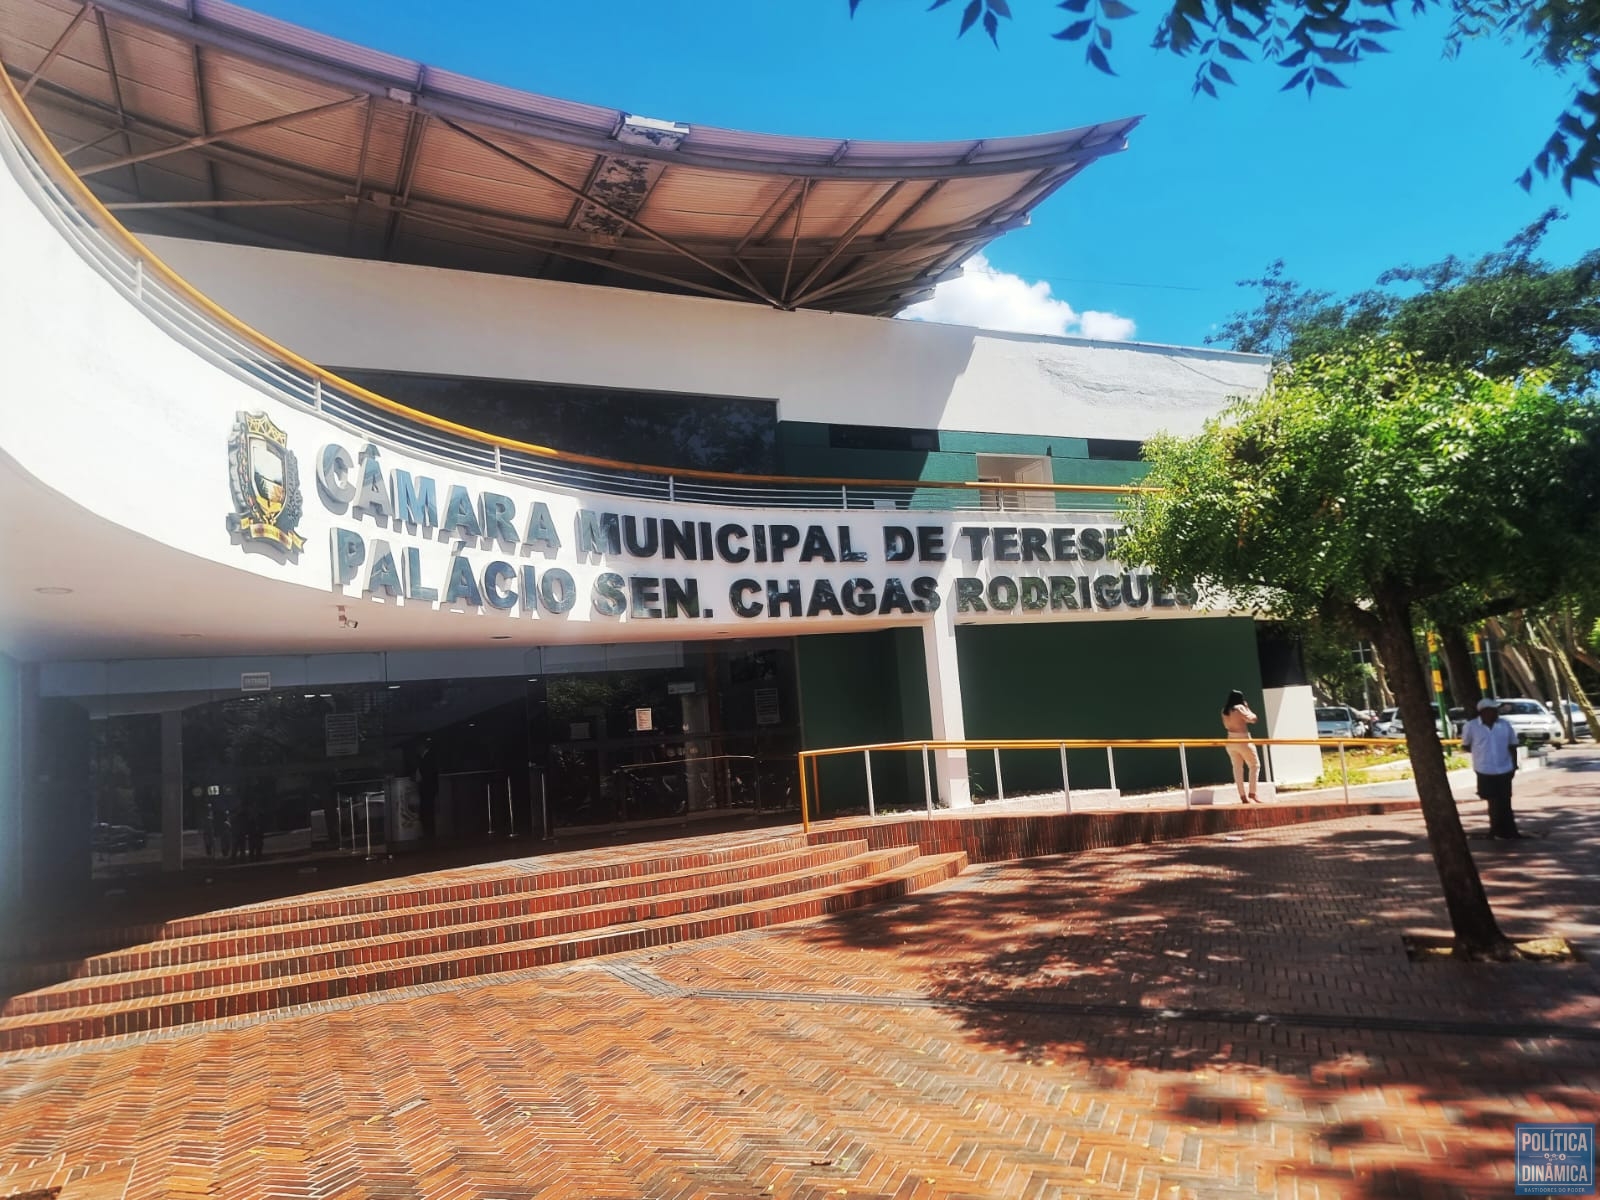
(427, 929)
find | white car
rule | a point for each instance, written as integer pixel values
(1337, 721)
(1535, 724)
(1388, 724)
(1580, 723)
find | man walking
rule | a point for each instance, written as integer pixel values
(1494, 757)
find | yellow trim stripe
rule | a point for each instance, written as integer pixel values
(67, 179)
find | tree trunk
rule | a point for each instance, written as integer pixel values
(1477, 933)
(1569, 638)
(1516, 676)
(1569, 676)
(1464, 687)
(1544, 668)
(1385, 693)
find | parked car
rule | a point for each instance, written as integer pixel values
(1388, 725)
(1535, 724)
(1580, 723)
(1338, 721)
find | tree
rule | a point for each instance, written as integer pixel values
(1315, 41)
(1505, 313)
(1363, 484)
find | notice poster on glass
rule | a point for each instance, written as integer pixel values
(341, 734)
(767, 711)
(643, 720)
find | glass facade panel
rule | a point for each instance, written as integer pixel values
(664, 429)
(600, 735)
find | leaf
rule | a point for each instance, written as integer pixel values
(1103, 32)
(1296, 80)
(1332, 54)
(1115, 10)
(974, 11)
(854, 4)
(1098, 58)
(1219, 72)
(1074, 5)
(1368, 46)
(991, 26)
(1202, 84)
(1075, 31)
(1229, 50)
(1000, 8)
(1295, 59)
(1328, 77)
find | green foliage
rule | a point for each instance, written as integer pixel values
(1316, 41)
(1504, 314)
(1368, 474)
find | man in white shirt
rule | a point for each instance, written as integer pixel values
(1494, 757)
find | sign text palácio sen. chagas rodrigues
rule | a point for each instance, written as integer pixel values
(397, 518)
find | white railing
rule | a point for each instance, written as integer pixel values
(229, 345)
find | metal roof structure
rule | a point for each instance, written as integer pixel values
(203, 119)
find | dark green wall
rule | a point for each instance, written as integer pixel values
(1105, 679)
(1108, 679)
(861, 688)
(803, 449)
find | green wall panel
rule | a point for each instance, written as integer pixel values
(1108, 679)
(860, 688)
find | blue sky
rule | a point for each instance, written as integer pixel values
(1418, 159)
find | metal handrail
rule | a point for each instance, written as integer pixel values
(1062, 745)
(206, 327)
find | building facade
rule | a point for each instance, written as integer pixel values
(295, 570)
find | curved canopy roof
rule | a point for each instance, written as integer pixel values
(200, 118)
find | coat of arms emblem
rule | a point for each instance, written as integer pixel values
(266, 483)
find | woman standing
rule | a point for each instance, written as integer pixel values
(1237, 719)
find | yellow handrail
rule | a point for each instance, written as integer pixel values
(1064, 744)
(67, 179)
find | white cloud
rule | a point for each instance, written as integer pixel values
(991, 299)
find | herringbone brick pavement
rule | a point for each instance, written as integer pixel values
(1227, 1016)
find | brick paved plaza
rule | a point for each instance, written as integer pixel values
(1226, 1016)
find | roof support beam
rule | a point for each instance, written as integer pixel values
(91, 143)
(55, 50)
(983, 228)
(794, 238)
(784, 200)
(849, 236)
(361, 175)
(207, 139)
(761, 293)
(416, 126)
(203, 110)
(116, 92)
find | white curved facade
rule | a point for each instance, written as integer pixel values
(134, 552)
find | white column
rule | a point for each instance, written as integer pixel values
(1291, 713)
(944, 706)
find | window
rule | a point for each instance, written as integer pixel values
(1116, 449)
(881, 437)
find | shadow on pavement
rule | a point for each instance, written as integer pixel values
(1260, 979)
